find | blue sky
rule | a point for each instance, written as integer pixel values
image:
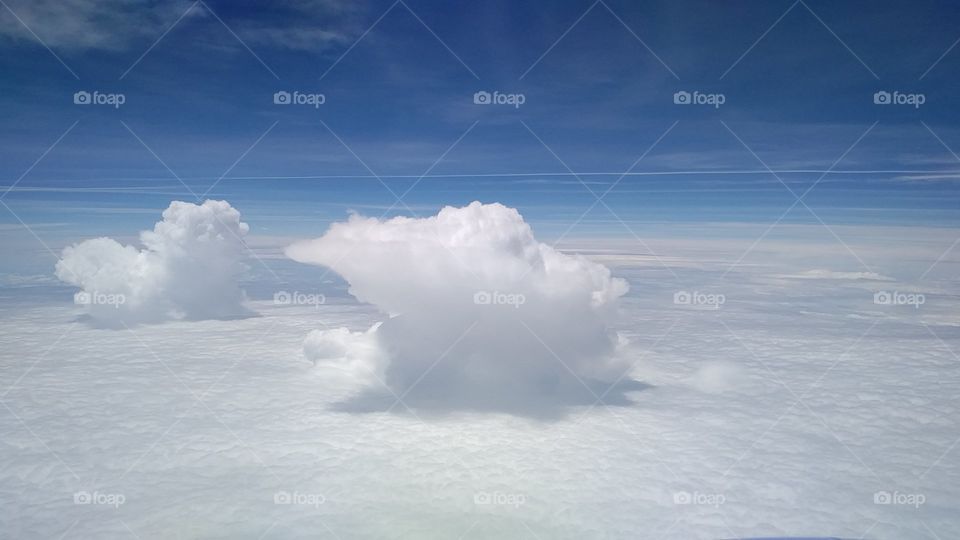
(794, 189)
(598, 81)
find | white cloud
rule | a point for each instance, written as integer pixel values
(307, 25)
(353, 355)
(89, 24)
(482, 315)
(299, 39)
(944, 177)
(716, 377)
(780, 467)
(831, 274)
(188, 268)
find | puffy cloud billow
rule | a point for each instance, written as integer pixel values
(480, 315)
(187, 269)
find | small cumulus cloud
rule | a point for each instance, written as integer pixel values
(479, 314)
(353, 355)
(717, 377)
(187, 269)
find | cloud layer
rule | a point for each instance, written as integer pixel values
(481, 314)
(187, 269)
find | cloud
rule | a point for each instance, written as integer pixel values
(118, 25)
(298, 39)
(831, 274)
(89, 24)
(353, 355)
(480, 314)
(716, 377)
(939, 177)
(187, 269)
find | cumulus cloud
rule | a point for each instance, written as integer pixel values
(480, 315)
(716, 377)
(187, 269)
(351, 356)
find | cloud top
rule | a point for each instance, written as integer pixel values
(480, 314)
(187, 269)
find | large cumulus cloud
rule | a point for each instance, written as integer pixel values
(187, 269)
(480, 315)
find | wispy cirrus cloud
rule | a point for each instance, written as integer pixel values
(77, 25)
(122, 25)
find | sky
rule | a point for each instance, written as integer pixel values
(795, 80)
(708, 288)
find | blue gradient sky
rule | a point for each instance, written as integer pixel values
(399, 78)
